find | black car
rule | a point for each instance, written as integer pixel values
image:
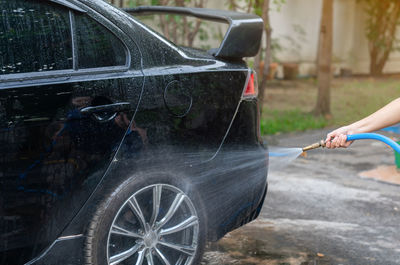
(117, 146)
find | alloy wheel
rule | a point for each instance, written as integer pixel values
(156, 225)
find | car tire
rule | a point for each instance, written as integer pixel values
(130, 228)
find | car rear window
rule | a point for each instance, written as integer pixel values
(97, 46)
(35, 36)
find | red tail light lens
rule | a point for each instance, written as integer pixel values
(251, 90)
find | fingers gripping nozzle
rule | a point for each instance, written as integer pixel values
(314, 146)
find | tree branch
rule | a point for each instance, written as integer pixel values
(233, 5)
(267, 57)
(249, 6)
(192, 35)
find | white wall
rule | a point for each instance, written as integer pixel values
(350, 46)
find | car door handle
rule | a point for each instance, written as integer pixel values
(111, 108)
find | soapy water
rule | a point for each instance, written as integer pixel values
(280, 158)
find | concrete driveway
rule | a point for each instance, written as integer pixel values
(320, 211)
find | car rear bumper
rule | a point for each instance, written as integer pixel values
(245, 214)
(246, 183)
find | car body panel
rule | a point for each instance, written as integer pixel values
(187, 117)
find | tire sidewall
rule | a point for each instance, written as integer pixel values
(98, 230)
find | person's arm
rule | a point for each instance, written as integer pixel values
(386, 116)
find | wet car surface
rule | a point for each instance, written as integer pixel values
(117, 146)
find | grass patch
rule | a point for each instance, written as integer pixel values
(288, 103)
(356, 99)
(281, 121)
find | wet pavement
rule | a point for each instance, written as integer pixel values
(319, 210)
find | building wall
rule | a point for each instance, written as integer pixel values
(350, 46)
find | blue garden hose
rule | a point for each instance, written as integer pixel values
(360, 136)
(352, 137)
(375, 136)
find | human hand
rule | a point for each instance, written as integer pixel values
(338, 138)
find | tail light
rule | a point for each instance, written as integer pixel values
(251, 90)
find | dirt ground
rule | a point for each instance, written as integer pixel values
(320, 210)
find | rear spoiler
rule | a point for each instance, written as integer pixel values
(243, 38)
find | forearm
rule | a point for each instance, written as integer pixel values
(386, 116)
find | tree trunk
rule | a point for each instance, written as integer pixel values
(267, 57)
(257, 62)
(376, 69)
(324, 60)
(386, 24)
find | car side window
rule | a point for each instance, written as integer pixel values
(35, 36)
(97, 46)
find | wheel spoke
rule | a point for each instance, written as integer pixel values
(162, 257)
(172, 209)
(149, 258)
(157, 190)
(134, 205)
(140, 258)
(117, 230)
(180, 261)
(124, 255)
(191, 221)
(188, 250)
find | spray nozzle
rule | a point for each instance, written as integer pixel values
(314, 146)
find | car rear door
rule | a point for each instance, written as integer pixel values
(69, 85)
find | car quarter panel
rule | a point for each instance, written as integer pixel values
(189, 102)
(185, 139)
